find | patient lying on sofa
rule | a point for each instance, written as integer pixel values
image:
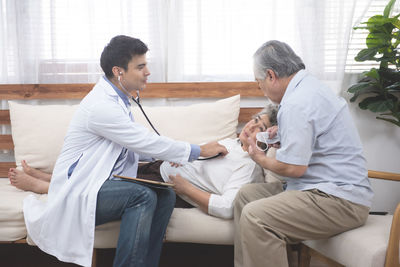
(211, 184)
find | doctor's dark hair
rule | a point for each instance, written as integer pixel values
(278, 57)
(271, 110)
(119, 51)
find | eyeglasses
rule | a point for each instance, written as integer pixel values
(263, 141)
(262, 146)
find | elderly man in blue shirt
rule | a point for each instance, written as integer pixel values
(326, 189)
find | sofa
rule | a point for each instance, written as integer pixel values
(38, 125)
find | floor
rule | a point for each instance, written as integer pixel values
(173, 255)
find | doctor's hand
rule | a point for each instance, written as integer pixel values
(212, 149)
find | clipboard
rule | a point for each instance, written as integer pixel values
(145, 181)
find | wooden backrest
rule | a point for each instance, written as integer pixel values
(153, 90)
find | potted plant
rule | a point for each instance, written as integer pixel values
(381, 87)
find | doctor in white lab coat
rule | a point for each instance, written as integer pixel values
(103, 140)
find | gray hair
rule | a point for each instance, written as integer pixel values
(271, 110)
(278, 57)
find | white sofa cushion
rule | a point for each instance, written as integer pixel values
(361, 247)
(196, 123)
(194, 226)
(12, 225)
(38, 130)
(186, 225)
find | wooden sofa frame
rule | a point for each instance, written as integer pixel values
(175, 90)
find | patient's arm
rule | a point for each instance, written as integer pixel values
(184, 187)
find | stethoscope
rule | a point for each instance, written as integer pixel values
(137, 101)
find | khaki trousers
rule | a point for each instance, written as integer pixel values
(267, 219)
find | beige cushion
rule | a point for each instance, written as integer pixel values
(361, 247)
(106, 235)
(38, 130)
(186, 225)
(197, 123)
(194, 226)
(12, 225)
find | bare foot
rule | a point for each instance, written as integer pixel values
(35, 172)
(24, 181)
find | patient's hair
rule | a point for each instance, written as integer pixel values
(272, 111)
(278, 57)
(119, 52)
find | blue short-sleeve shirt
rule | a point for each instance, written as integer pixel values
(316, 130)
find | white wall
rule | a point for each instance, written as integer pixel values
(381, 141)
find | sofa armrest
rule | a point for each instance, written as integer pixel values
(392, 253)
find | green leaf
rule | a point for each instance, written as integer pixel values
(381, 106)
(366, 54)
(389, 74)
(358, 86)
(388, 7)
(366, 90)
(378, 20)
(373, 73)
(395, 86)
(396, 23)
(376, 104)
(378, 40)
(389, 120)
(360, 28)
(365, 102)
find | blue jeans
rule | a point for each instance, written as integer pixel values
(144, 213)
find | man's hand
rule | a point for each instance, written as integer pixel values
(273, 131)
(256, 154)
(180, 184)
(281, 168)
(212, 149)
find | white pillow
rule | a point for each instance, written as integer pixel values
(38, 130)
(196, 123)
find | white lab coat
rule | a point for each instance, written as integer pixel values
(101, 127)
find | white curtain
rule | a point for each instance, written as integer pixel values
(215, 40)
(45, 41)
